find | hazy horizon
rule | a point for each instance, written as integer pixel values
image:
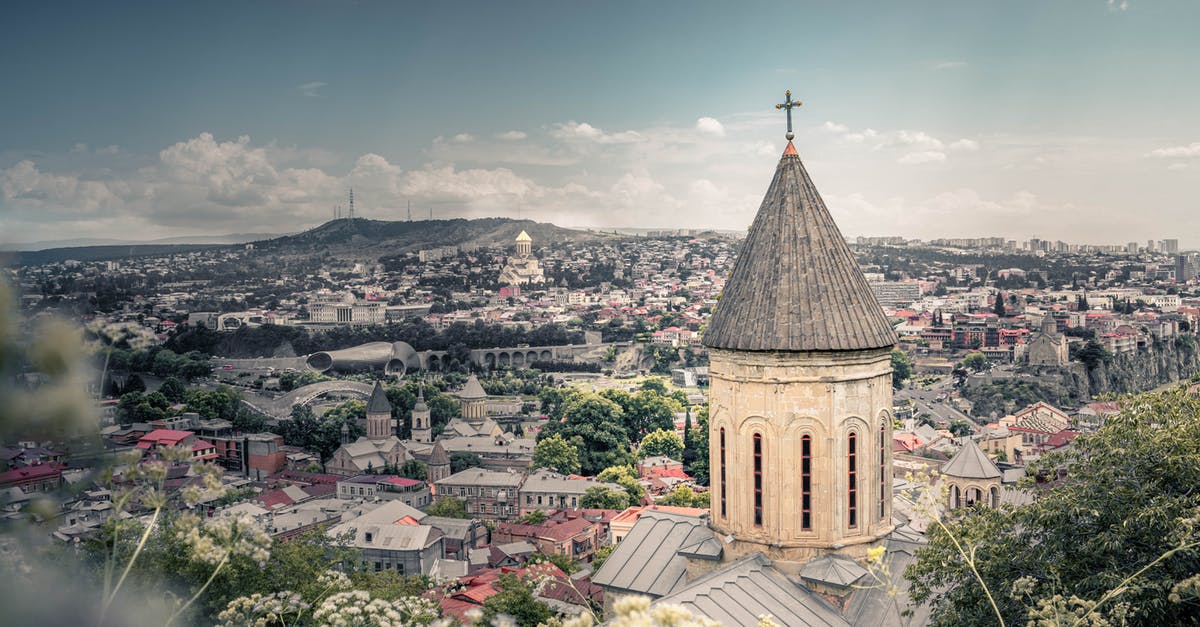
(1064, 121)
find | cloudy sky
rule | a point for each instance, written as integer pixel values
(1073, 120)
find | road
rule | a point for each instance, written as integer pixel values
(926, 401)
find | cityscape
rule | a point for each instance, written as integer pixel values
(680, 374)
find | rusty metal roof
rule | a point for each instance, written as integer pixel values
(796, 286)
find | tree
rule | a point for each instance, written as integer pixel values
(1093, 354)
(557, 454)
(536, 517)
(627, 478)
(413, 469)
(1110, 519)
(597, 422)
(998, 308)
(976, 362)
(960, 428)
(516, 599)
(684, 496)
(661, 442)
(689, 449)
(699, 468)
(601, 555)
(600, 497)
(173, 389)
(564, 563)
(448, 508)
(462, 460)
(901, 368)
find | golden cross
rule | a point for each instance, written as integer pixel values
(787, 105)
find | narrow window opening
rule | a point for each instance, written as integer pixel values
(852, 494)
(883, 491)
(758, 481)
(722, 472)
(806, 483)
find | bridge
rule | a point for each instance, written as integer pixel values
(522, 356)
(281, 407)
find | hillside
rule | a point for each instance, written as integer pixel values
(98, 253)
(371, 239)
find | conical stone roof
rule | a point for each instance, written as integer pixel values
(472, 390)
(970, 463)
(796, 286)
(379, 401)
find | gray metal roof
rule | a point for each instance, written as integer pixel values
(834, 570)
(379, 402)
(873, 605)
(647, 560)
(748, 588)
(970, 462)
(796, 286)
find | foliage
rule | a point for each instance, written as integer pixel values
(601, 555)
(557, 454)
(649, 409)
(597, 422)
(564, 563)
(976, 362)
(442, 407)
(960, 428)
(684, 496)
(536, 517)
(413, 469)
(515, 599)
(462, 460)
(173, 389)
(1093, 354)
(901, 368)
(661, 442)
(390, 585)
(448, 508)
(138, 407)
(600, 497)
(1005, 395)
(320, 435)
(627, 478)
(1113, 530)
(699, 469)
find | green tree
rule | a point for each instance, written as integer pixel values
(536, 517)
(998, 308)
(600, 497)
(627, 478)
(462, 460)
(699, 468)
(684, 496)
(557, 454)
(976, 362)
(661, 442)
(516, 600)
(173, 389)
(960, 428)
(597, 423)
(901, 368)
(564, 563)
(413, 469)
(448, 508)
(1111, 521)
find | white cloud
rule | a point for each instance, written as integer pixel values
(925, 156)
(965, 144)
(24, 186)
(1176, 167)
(79, 147)
(949, 65)
(311, 89)
(463, 138)
(710, 126)
(834, 127)
(575, 131)
(111, 149)
(917, 139)
(512, 135)
(1190, 150)
(1118, 5)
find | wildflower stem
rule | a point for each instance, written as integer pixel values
(178, 612)
(970, 559)
(128, 567)
(1121, 586)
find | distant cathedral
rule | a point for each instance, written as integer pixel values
(523, 268)
(1047, 347)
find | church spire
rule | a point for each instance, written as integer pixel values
(796, 285)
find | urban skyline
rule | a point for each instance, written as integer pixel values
(1066, 121)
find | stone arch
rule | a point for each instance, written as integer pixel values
(502, 360)
(518, 359)
(972, 495)
(435, 362)
(995, 497)
(547, 356)
(489, 360)
(531, 357)
(955, 497)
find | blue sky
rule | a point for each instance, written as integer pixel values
(1067, 120)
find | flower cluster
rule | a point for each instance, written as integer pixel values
(262, 610)
(356, 608)
(219, 539)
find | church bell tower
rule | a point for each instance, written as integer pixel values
(800, 427)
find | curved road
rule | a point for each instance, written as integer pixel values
(281, 407)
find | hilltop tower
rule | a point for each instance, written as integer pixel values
(800, 433)
(422, 429)
(379, 414)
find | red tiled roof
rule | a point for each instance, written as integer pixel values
(30, 472)
(403, 482)
(164, 437)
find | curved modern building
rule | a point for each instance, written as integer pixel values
(394, 358)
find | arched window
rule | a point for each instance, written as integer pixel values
(722, 472)
(758, 480)
(806, 483)
(852, 477)
(995, 497)
(883, 474)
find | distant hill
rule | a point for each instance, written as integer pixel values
(84, 242)
(361, 238)
(97, 253)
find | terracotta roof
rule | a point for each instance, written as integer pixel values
(379, 402)
(796, 286)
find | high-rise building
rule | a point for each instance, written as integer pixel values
(1169, 246)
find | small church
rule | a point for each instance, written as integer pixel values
(800, 439)
(381, 448)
